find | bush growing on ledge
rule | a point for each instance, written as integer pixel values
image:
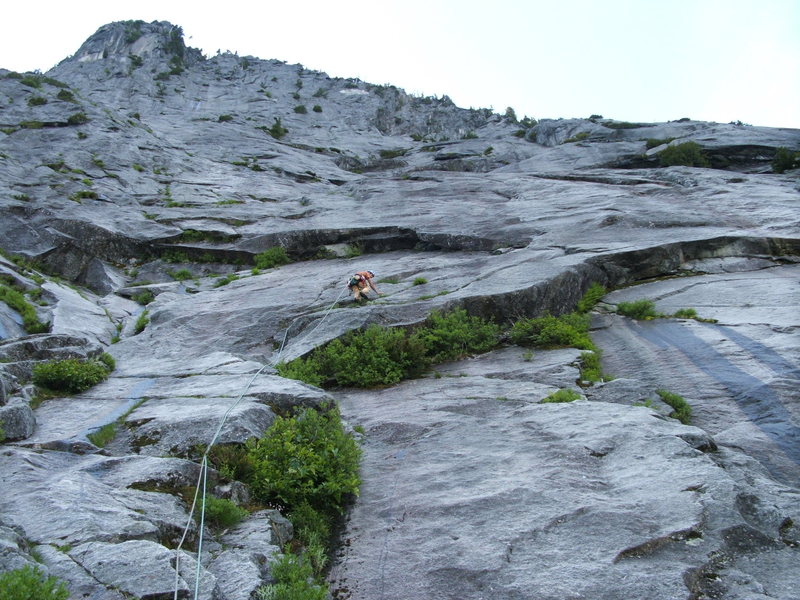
(379, 356)
(448, 336)
(222, 513)
(306, 458)
(570, 330)
(638, 309)
(141, 322)
(272, 257)
(562, 395)
(785, 160)
(681, 409)
(16, 301)
(685, 313)
(78, 118)
(29, 583)
(688, 154)
(70, 375)
(591, 297)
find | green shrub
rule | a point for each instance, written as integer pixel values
(144, 297)
(638, 309)
(689, 154)
(79, 118)
(224, 118)
(570, 330)
(83, 194)
(272, 257)
(686, 313)
(37, 101)
(785, 160)
(378, 356)
(300, 109)
(655, 142)
(294, 580)
(104, 435)
(141, 322)
(108, 361)
(317, 108)
(590, 366)
(392, 153)
(65, 95)
(16, 301)
(448, 336)
(303, 369)
(562, 395)
(70, 375)
(30, 80)
(373, 357)
(306, 458)
(591, 297)
(222, 513)
(277, 130)
(226, 280)
(29, 583)
(180, 274)
(233, 461)
(681, 409)
(420, 281)
(311, 527)
(578, 137)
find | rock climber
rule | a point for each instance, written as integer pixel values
(360, 283)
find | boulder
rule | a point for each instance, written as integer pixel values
(17, 421)
(142, 569)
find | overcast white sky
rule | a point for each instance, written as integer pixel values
(632, 60)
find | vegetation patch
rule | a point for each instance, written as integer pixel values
(688, 154)
(30, 583)
(180, 275)
(308, 464)
(562, 395)
(79, 118)
(306, 458)
(578, 137)
(104, 435)
(272, 257)
(590, 367)
(643, 309)
(393, 153)
(231, 277)
(16, 301)
(655, 142)
(378, 356)
(591, 297)
(785, 160)
(681, 409)
(221, 513)
(570, 330)
(70, 375)
(141, 322)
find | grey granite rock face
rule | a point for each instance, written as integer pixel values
(148, 178)
(17, 421)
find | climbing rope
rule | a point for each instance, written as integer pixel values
(202, 480)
